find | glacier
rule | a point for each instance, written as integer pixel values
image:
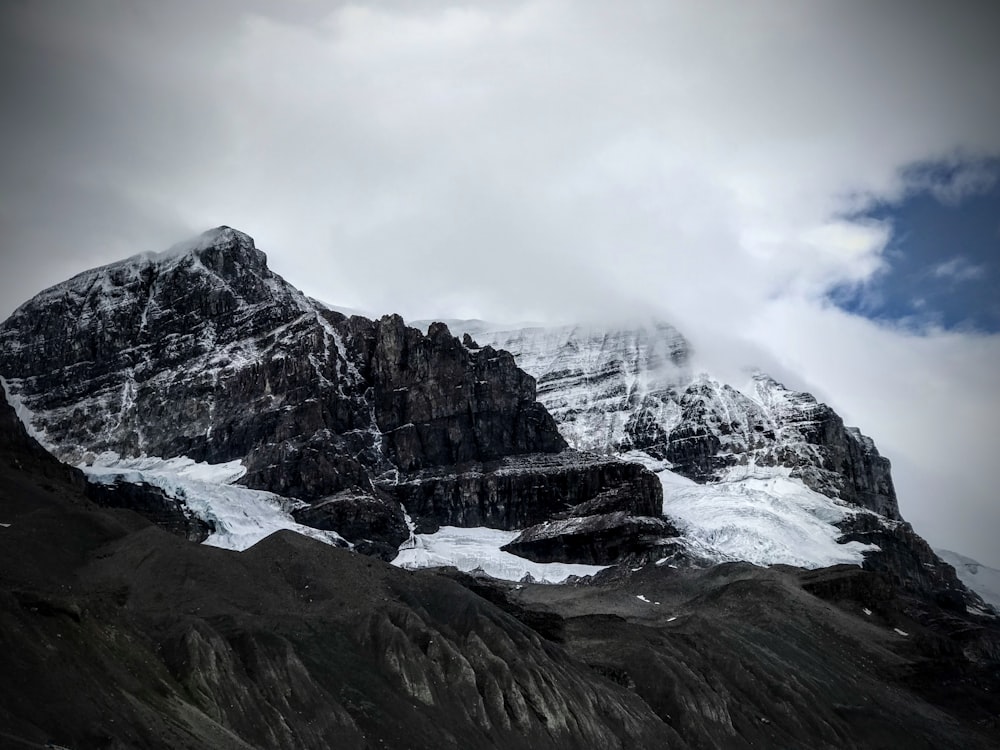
(241, 516)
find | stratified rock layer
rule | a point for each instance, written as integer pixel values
(520, 491)
(601, 539)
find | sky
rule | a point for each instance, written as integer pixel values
(813, 186)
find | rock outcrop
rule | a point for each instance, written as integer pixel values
(720, 428)
(600, 539)
(373, 522)
(520, 491)
(169, 513)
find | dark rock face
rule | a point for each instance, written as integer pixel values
(908, 561)
(618, 524)
(437, 403)
(520, 491)
(200, 351)
(203, 352)
(602, 539)
(374, 524)
(153, 504)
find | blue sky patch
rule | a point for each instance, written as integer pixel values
(943, 261)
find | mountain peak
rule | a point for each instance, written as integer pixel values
(222, 249)
(220, 236)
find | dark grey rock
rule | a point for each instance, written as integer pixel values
(520, 491)
(602, 539)
(374, 524)
(154, 504)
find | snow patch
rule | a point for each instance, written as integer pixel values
(760, 515)
(479, 549)
(242, 516)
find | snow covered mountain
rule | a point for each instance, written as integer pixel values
(201, 356)
(759, 473)
(202, 392)
(165, 369)
(621, 389)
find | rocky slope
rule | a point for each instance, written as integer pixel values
(202, 352)
(116, 634)
(982, 579)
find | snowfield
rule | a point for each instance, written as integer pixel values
(479, 549)
(762, 516)
(757, 514)
(767, 518)
(242, 517)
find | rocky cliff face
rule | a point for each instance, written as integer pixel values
(520, 491)
(720, 428)
(620, 389)
(602, 385)
(203, 352)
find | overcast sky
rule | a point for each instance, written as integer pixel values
(808, 185)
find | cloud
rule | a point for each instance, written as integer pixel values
(958, 269)
(539, 159)
(953, 180)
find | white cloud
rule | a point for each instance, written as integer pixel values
(958, 269)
